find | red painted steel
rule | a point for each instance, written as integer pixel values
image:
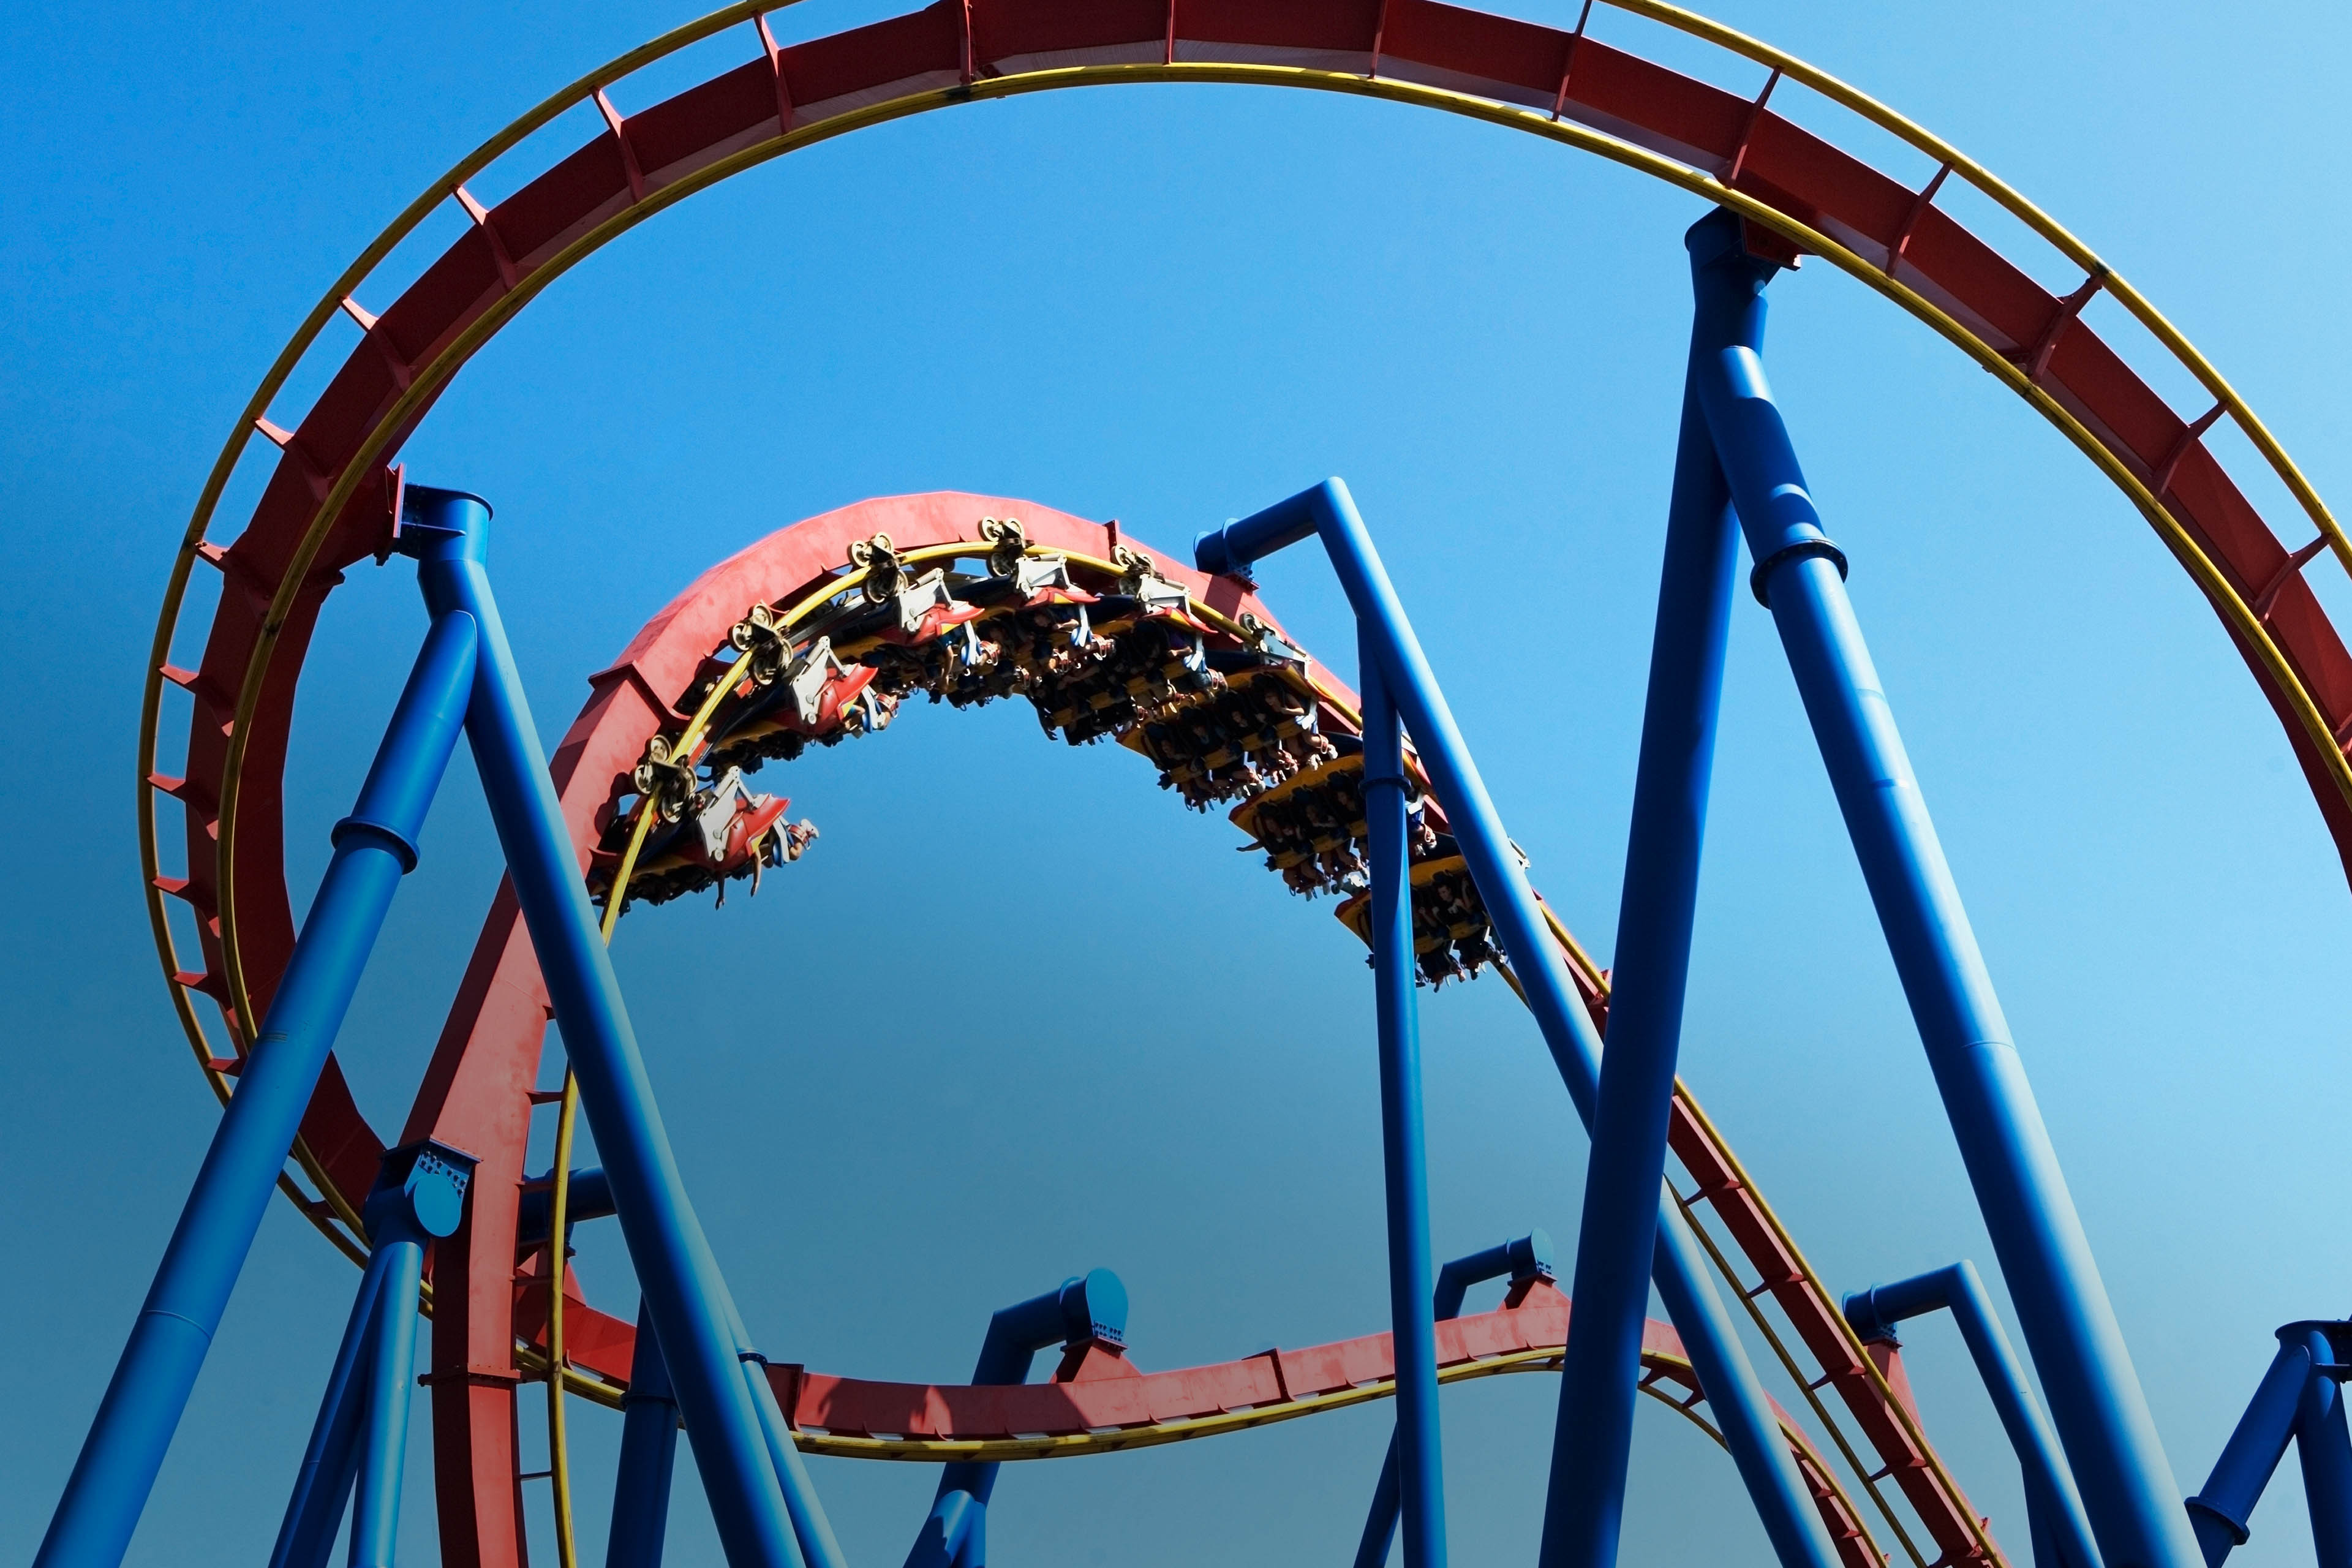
(475, 1093)
(481, 1103)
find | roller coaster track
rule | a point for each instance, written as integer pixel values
(327, 501)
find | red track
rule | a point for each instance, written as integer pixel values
(476, 1094)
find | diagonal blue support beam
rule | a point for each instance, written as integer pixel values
(376, 846)
(1751, 1431)
(701, 1337)
(2323, 1446)
(2300, 1398)
(330, 1462)
(2070, 1326)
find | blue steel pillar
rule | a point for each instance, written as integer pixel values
(448, 533)
(2070, 1326)
(1595, 1432)
(1090, 1308)
(2051, 1496)
(361, 1433)
(323, 1483)
(1749, 1429)
(420, 1196)
(648, 1456)
(374, 847)
(811, 1529)
(1404, 1158)
(1530, 1257)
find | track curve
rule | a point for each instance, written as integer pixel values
(325, 504)
(670, 685)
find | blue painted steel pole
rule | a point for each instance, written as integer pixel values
(648, 1456)
(1089, 1308)
(392, 1371)
(811, 1529)
(1593, 1436)
(2323, 1446)
(2070, 1326)
(1528, 1258)
(449, 533)
(2051, 1494)
(2220, 1510)
(1749, 1429)
(420, 1195)
(330, 1462)
(374, 848)
(1403, 1157)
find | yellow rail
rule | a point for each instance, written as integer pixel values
(427, 381)
(335, 1216)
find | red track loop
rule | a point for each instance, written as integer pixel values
(477, 1093)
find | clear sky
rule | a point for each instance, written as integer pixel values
(1017, 1014)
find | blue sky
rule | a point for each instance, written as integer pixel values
(1017, 1015)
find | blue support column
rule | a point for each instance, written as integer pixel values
(1403, 1159)
(2070, 1326)
(648, 1456)
(330, 1462)
(1088, 1309)
(1527, 1258)
(1618, 1238)
(1749, 1429)
(2051, 1499)
(361, 1432)
(811, 1529)
(421, 1195)
(449, 533)
(374, 847)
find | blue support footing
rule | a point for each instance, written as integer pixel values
(2070, 1326)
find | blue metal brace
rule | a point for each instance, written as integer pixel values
(1088, 1309)
(2300, 1397)
(1745, 1416)
(2061, 1531)
(1527, 1258)
(2070, 1326)
(361, 1432)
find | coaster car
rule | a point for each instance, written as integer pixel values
(1249, 733)
(816, 697)
(719, 834)
(1452, 939)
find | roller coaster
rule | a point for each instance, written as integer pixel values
(821, 634)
